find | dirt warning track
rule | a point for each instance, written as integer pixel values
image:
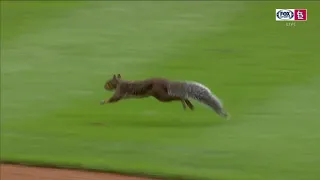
(20, 172)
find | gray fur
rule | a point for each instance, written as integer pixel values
(198, 92)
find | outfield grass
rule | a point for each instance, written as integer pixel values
(55, 58)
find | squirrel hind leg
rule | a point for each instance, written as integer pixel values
(183, 104)
(189, 104)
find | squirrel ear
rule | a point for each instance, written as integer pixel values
(114, 76)
(119, 76)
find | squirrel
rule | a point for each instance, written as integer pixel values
(164, 90)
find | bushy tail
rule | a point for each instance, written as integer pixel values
(198, 92)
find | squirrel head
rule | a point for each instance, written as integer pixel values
(112, 83)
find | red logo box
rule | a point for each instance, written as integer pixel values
(300, 15)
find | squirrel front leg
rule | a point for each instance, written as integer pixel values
(113, 99)
(116, 97)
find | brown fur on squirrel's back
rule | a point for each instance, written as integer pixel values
(141, 87)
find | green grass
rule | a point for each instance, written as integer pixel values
(55, 58)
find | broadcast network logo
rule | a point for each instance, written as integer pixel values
(291, 15)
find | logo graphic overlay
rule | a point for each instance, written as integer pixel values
(285, 14)
(300, 15)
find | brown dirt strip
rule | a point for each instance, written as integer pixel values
(20, 172)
